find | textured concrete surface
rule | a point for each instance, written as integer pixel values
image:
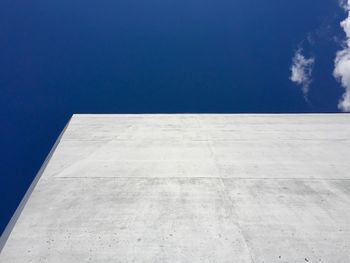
(191, 188)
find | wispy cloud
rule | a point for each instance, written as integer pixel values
(301, 70)
(342, 62)
(344, 4)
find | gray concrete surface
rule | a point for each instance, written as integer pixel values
(191, 188)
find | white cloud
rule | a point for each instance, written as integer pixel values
(301, 70)
(342, 62)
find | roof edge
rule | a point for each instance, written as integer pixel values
(9, 227)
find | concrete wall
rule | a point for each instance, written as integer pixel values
(191, 188)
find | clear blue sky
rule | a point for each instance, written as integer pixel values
(64, 57)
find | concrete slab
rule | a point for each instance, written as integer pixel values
(191, 188)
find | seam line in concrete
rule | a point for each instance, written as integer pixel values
(196, 177)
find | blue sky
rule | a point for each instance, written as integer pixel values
(64, 57)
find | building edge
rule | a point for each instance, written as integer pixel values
(10, 225)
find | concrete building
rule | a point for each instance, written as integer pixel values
(190, 188)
